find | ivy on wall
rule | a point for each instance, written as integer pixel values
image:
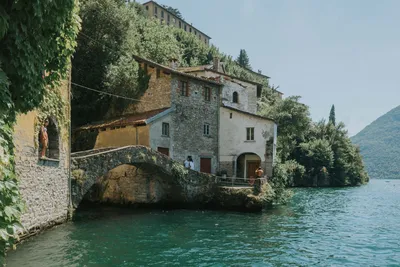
(36, 37)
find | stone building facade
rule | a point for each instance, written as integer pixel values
(246, 140)
(164, 16)
(177, 115)
(43, 183)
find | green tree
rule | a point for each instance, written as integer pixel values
(243, 59)
(332, 116)
(35, 37)
(112, 32)
(174, 11)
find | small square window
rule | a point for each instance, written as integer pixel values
(184, 88)
(206, 129)
(250, 134)
(165, 129)
(207, 93)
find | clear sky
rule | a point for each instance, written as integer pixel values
(342, 52)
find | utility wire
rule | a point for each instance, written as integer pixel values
(106, 93)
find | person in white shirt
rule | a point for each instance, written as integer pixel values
(189, 164)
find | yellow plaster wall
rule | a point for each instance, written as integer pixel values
(130, 135)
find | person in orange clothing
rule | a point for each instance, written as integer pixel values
(259, 172)
(44, 138)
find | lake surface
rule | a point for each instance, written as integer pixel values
(321, 227)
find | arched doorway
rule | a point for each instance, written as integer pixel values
(246, 165)
(53, 145)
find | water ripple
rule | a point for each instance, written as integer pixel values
(321, 227)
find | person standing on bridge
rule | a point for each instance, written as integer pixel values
(189, 163)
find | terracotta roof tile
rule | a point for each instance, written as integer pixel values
(125, 120)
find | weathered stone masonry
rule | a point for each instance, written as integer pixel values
(192, 112)
(43, 183)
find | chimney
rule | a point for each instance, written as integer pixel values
(173, 63)
(216, 63)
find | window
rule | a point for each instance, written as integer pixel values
(205, 41)
(155, 10)
(165, 129)
(230, 115)
(184, 27)
(168, 18)
(250, 134)
(158, 73)
(180, 24)
(206, 129)
(207, 93)
(184, 88)
(147, 7)
(190, 29)
(162, 13)
(235, 97)
(195, 32)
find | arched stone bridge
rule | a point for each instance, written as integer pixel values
(89, 165)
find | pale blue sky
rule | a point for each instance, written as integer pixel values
(342, 52)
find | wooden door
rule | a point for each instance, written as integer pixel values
(251, 168)
(205, 165)
(163, 150)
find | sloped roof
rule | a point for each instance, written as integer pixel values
(125, 120)
(176, 71)
(248, 113)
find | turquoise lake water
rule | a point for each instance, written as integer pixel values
(357, 226)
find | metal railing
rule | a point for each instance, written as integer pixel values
(237, 181)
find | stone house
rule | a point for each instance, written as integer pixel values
(177, 115)
(44, 183)
(247, 140)
(164, 16)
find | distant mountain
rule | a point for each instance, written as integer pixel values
(380, 146)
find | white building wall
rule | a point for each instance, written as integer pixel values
(156, 138)
(233, 141)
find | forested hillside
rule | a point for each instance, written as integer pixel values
(380, 146)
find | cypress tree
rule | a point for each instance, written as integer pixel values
(243, 59)
(332, 116)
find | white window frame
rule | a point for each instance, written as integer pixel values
(249, 133)
(165, 129)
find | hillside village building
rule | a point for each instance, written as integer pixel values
(200, 112)
(178, 115)
(160, 13)
(247, 140)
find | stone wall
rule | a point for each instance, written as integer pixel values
(192, 112)
(247, 92)
(158, 93)
(43, 183)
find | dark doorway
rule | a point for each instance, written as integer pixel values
(251, 168)
(163, 150)
(205, 165)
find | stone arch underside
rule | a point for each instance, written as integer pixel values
(87, 166)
